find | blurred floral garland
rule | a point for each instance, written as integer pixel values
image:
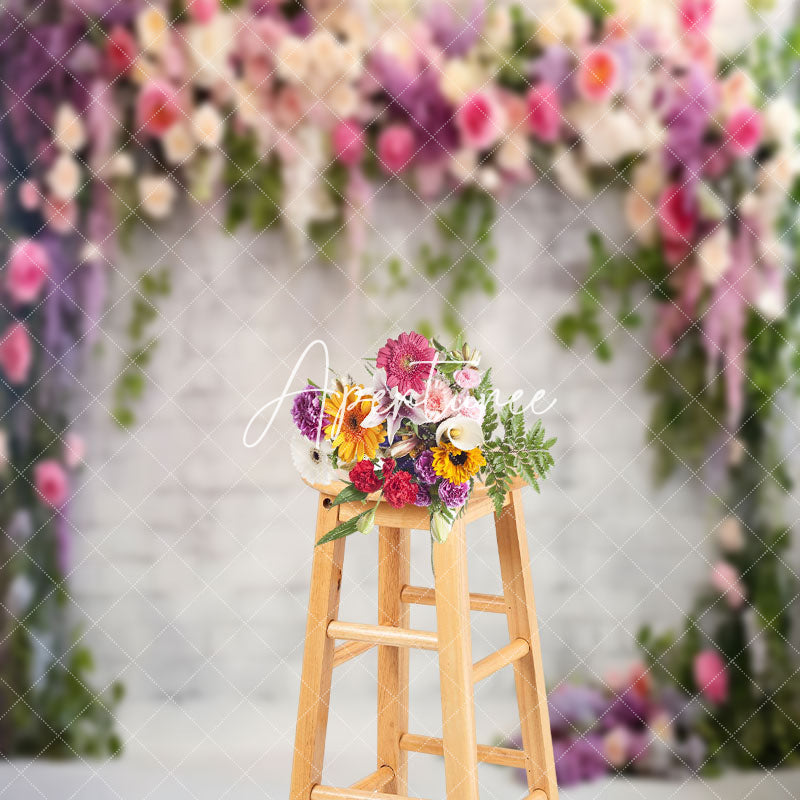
(286, 111)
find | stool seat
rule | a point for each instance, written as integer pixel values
(393, 637)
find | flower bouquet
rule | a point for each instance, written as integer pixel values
(422, 435)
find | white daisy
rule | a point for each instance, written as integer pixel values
(312, 462)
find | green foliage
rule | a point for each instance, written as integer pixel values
(132, 380)
(254, 188)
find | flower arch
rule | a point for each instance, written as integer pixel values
(292, 113)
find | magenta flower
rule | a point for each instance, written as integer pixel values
(710, 676)
(396, 147)
(726, 580)
(157, 108)
(480, 121)
(695, 15)
(348, 143)
(27, 271)
(408, 362)
(202, 11)
(744, 131)
(16, 353)
(50, 481)
(677, 219)
(544, 112)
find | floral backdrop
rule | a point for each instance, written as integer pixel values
(295, 113)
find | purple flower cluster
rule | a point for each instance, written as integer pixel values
(423, 466)
(306, 412)
(453, 495)
(423, 497)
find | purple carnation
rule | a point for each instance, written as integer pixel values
(306, 412)
(580, 759)
(423, 497)
(423, 466)
(454, 495)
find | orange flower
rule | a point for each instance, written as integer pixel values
(347, 410)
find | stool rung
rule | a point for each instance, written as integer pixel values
(345, 652)
(332, 793)
(376, 782)
(383, 634)
(477, 602)
(512, 652)
(537, 794)
(503, 756)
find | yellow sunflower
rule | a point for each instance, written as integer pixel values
(456, 466)
(346, 410)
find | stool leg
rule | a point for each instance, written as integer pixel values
(315, 687)
(512, 545)
(394, 572)
(455, 666)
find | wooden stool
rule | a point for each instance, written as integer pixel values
(452, 641)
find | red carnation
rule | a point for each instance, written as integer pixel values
(399, 490)
(364, 478)
(388, 467)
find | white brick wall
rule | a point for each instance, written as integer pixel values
(193, 553)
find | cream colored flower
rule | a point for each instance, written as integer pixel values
(325, 54)
(69, 132)
(730, 535)
(342, 100)
(121, 165)
(609, 134)
(91, 252)
(571, 174)
(210, 45)
(152, 29)
(777, 175)
(463, 164)
(157, 195)
(462, 432)
(498, 28)
(293, 61)
(459, 79)
(737, 90)
(714, 255)
(513, 153)
(178, 144)
(64, 177)
(782, 122)
(640, 216)
(564, 23)
(207, 126)
(648, 176)
(489, 179)
(145, 70)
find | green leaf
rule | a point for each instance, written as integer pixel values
(344, 529)
(348, 495)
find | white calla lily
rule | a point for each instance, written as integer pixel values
(462, 432)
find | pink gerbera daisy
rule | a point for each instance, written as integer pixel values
(408, 361)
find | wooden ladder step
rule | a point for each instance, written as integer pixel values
(504, 756)
(383, 634)
(376, 782)
(477, 602)
(332, 793)
(344, 652)
(512, 652)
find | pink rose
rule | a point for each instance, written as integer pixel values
(598, 75)
(50, 481)
(348, 143)
(27, 271)
(480, 120)
(29, 196)
(202, 11)
(744, 131)
(121, 51)
(710, 676)
(677, 219)
(467, 378)
(726, 580)
(395, 147)
(544, 112)
(157, 108)
(695, 15)
(16, 353)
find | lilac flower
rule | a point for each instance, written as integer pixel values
(556, 67)
(454, 32)
(453, 495)
(578, 760)
(423, 466)
(628, 708)
(575, 708)
(307, 411)
(423, 497)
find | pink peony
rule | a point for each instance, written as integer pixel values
(202, 11)
(480, 120)
(121, 51)
(544, 112)
(695, 15)
(16, 353)
(711, 677)
(348, 143)
(726, 580)
(408, 361)
(598, 75)
(27, 271)
(157, 108)
(677, 219)
(395, 147)
(744, 131)
(437, 402)
(50, 481)
(467, 378)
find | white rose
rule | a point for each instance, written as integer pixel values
(609, 134)
(69, 131)
(738, 90)
(714, 255)
(178, 144)
(121, 165)
(640, 216)
(463, 164)
(207, 126)
(325, 55)
(565, 23)
(210, 47)
(771, 303)
(157, 195)
(459, 78)
(64, 177)
(648, 176)
(777, 175)
(489, 179)
(512, 155)
(498, 29)
(571, 174)
(782, 122)
(293, 62)
(152, 29)
(342, 100)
